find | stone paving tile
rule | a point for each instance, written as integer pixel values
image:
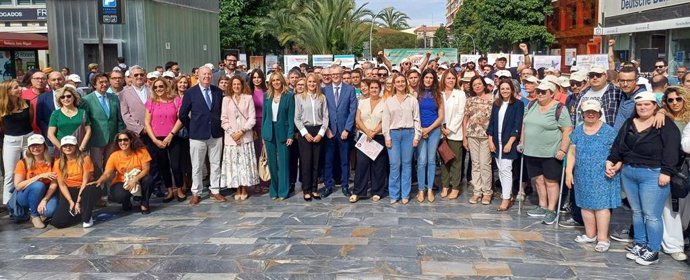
(330, 239)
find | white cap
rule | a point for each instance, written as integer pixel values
(645, 96)
(591, 105)
(489, 81)
(68, 140)
(168, 74)
(443, 66)
(127, 73)
(574, 68)
(532, 79)
(547, 85)
(36, 139)
(74, 78)
(563, 81)
(396, 69)
(578, 76)
(467, 76)
(503, 73)
(597, 69)
(501, 55)
(153, 75)
(415, 69)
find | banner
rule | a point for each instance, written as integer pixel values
(449, 55)
(516, 60)
(347, 60)
(270, 60)
(243, 58)
(585, 62)
(464, 58)
(256, 62)
(570, 55)
(546, 61)
(294, 61)
(491, 58)
(323, 60)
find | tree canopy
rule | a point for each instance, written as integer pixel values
(498, 25)
(238, 19)
(441, 37)
(390, 18)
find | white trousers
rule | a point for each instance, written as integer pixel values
(505, 174)
(12, 149)
(674, 223)
(198, 149)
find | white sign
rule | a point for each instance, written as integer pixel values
(516, 60)
(585, 62)
(347, 60)
(270, 60)
(612, 8)
(323, 60)
(243, 59)
(546, 61)
(294, 61)
(372, 149)
(465, 58)
(649, 26)
(570, 55)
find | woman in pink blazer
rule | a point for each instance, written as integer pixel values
(238, 119)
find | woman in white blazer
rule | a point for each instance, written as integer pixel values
(451, 131)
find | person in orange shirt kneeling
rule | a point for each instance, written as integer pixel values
(77, 200)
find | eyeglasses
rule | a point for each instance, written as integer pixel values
(39, 79)
(138, 75)
(122, 140)
(574, 83)
(67, 96)
(595, 75)
(677, 99)
(626, 81)
(658, 66)
(382, 74)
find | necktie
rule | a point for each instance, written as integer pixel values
(207, 96)
(105, 106)
(337, 96)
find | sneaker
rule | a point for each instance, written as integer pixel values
(89, 224)
(37, 222)
(634, 253)
(570, 223)
(647, 257)
(622, 236)
(585, 239)
(549, 218)
(679, 256)
(537, 212)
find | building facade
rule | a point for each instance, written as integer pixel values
(573, 22)
(452, 8)
(153, 32)
(638, 26)
(23, 41)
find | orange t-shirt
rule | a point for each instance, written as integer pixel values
(121, 164)
(75, 172)
(39, 167)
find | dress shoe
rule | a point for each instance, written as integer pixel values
(168, 199)
(454, 194)
(346, 191)
(307, 197)
(325, 192)
(218, 197)
(145, 211)
(195, 200)
(444, 192)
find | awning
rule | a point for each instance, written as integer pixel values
(23, 41)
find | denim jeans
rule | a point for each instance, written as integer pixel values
(32, 195)
(400, 156)
(426, 159)
(646, 200)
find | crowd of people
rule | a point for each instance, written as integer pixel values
(130, 134)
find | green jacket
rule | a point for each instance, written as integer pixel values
(103, 128)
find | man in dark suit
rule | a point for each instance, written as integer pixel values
(342, 106)
(200, 114)
(45, 105)
(229, 70)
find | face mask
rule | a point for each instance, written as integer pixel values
(458, 69)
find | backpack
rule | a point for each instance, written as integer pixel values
(559, 108)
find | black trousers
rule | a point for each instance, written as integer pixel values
(310, 154)
(118, 194)
(154, 171)
(62, 218)
(374, 172)
(168, 160)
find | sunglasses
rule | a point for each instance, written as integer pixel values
(595, 75)
(123, 140)
(659, 66)
(382, 74)
(574, 83)
(68, 96)
(541, 92)
(677, 99)
(68, 146)
(158, 87)
(138, 75)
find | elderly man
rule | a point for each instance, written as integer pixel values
(117, 82)
(46, 104)
(201, 106)
(37, 87)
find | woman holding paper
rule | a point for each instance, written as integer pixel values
(368, 119)
(311, 120)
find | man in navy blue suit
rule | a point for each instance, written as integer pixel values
(342, 107)
(200, 113)
(45, 105)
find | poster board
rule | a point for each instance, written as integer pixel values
(546, 61)
(270, 60)
(585, 62)
(449, 55)
(570, 56)
(516, 60)
(256, 62)
(464, 58)
(347, 60)
(294, 61)
(323, 60)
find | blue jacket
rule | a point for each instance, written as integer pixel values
(203, 124)
(512, 126)
(45, 105)
(341, 117)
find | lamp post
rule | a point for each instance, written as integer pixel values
(474, 47)
(371, 30)
(424, 36)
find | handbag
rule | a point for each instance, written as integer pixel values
(447, 155)
(264, 172)
(680, 185)
(136, 191)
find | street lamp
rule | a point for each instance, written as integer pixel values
(474, 47)
(371, 30)
(424, 30)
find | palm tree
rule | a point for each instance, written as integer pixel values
(393, 19)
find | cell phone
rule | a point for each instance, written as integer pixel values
(72, 212)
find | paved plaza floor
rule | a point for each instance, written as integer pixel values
(328, 239)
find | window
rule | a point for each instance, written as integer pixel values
(5, 2)
(29, 2)
(7, 24)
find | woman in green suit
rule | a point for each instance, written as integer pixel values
(277, 129)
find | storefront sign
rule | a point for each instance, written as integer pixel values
(110, 11)
(417, 55)
(612, 8)
(36, 14)
(649, 26)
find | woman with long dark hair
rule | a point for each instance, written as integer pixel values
(431, 111)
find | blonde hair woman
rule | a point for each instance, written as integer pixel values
(68, 119)
(34, 182)
(277, 131)
(16, 116)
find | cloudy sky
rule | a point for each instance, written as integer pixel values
(429, 12)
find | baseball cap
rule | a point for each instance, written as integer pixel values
(597, 69)
(591, 105)
(503, 73)
(36, 139)
(467, 76)
(443, 66)
(153, 75)
(74, 78)
(127, 73)
(502, 56)
(547, 85)
(532, 79)
(563, 81)
(645, 96)
(168, 74)
(489, 81)
(68, 140)
(578, 76)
